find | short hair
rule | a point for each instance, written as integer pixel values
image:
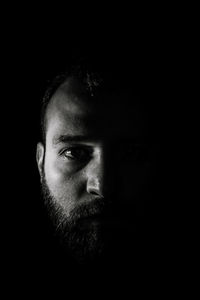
(84, 71)
(95, 76)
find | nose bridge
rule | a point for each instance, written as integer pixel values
(95, 174)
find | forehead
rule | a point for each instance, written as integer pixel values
(109, 115)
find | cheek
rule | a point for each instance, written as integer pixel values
(65, 186)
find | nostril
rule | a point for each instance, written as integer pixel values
(93, 193)
(96, 194)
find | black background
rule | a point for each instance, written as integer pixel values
(30, 58)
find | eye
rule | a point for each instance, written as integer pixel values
(80, 154)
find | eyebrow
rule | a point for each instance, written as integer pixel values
(70, 138)
(66, 138)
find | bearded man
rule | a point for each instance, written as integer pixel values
(96, 161)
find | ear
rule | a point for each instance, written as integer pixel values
(40, 158)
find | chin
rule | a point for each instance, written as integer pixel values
(85, 242)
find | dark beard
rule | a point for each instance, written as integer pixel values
(77, 235)
(108, 239)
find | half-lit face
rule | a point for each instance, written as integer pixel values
(94, 164)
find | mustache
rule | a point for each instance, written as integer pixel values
(96, 207)
(91, 208)
(108, 209)
(64, 223)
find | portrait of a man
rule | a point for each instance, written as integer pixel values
(96, 160)
(90, 160)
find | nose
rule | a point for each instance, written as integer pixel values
(95, 176)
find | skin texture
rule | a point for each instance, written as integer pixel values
(94, 167)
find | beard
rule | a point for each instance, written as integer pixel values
(79, 233)
(94, 231)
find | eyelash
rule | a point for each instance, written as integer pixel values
(82, 155)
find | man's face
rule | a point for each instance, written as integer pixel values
(93, 168)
